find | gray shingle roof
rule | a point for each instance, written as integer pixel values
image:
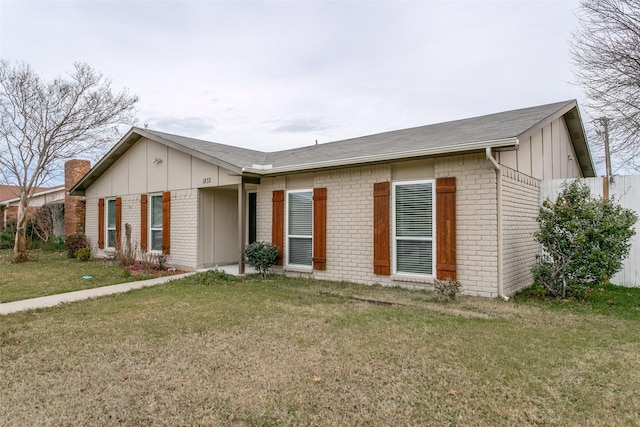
(237, 156)
(454, 134)
(474, 133)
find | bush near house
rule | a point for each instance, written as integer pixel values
(7, 238)
(584, 240)
(83, 254)
(73, 242)
(261, 256)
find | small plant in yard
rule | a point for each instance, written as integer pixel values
(261, 256)
(83, 254)
(584, 241)
(210, 277)
(54, 244)
(150, 261)
(159, 260)
(446, 289)
(73, 242)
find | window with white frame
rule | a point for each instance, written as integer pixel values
(111, 223)
(155, 223)
(413, 239)
(300, 228)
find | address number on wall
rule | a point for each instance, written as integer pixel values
(206, 180)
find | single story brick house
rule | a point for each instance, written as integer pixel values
(449, 200)
(67, 211)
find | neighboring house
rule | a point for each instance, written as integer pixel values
(51, 197)
(449, 200)
(67, 211)
(8, 194)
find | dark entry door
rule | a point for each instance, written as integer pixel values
(252, 211)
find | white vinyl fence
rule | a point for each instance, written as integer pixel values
(625, 190)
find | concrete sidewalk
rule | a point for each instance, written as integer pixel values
(52, 300)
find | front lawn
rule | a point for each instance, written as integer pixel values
(280, 351)
(54, 273)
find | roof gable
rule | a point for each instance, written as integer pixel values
(225, 156)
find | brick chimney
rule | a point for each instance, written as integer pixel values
(74, 206)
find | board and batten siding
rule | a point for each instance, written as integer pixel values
(625, 190)
(545, 153)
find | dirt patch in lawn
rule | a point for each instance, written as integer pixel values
(140, 270)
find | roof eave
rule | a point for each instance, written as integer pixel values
(579, 141)
(573, 119)
(265, 170)
(127, 141)
(56, 189)
(105, 162)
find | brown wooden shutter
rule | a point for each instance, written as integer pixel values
(144, 217)
(101, 223)
(320, 228)
(446, 228)
(166, 223)
(381, 220)
(277, 223)
(118, 221)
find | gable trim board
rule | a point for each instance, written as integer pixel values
(352, 234)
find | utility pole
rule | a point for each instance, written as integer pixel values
(604, 121)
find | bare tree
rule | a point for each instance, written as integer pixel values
(45, 220)
(44, 123)
(606, 54)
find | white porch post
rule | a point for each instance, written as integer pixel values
(242, 225)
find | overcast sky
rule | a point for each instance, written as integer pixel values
(275, 75)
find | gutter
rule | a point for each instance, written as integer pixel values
(271, 170)
(496, 166)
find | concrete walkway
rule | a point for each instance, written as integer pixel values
(52, 300)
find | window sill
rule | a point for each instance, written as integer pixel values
(412, 279)
(298, 269)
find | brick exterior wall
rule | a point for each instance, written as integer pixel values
(91, 225)
(477, 222)
(520, 208)
(350, 223)
(184, 226)
(74, 206)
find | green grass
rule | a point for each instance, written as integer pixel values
(609, 300)
(53, 273)
(212, 350)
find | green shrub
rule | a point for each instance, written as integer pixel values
(446, 289)
(73, 242)
(54, 244)
(261, 256)
(83, 254)
(584, 240)
(7, 238)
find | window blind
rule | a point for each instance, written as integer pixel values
(414, 228)
(300, 227)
